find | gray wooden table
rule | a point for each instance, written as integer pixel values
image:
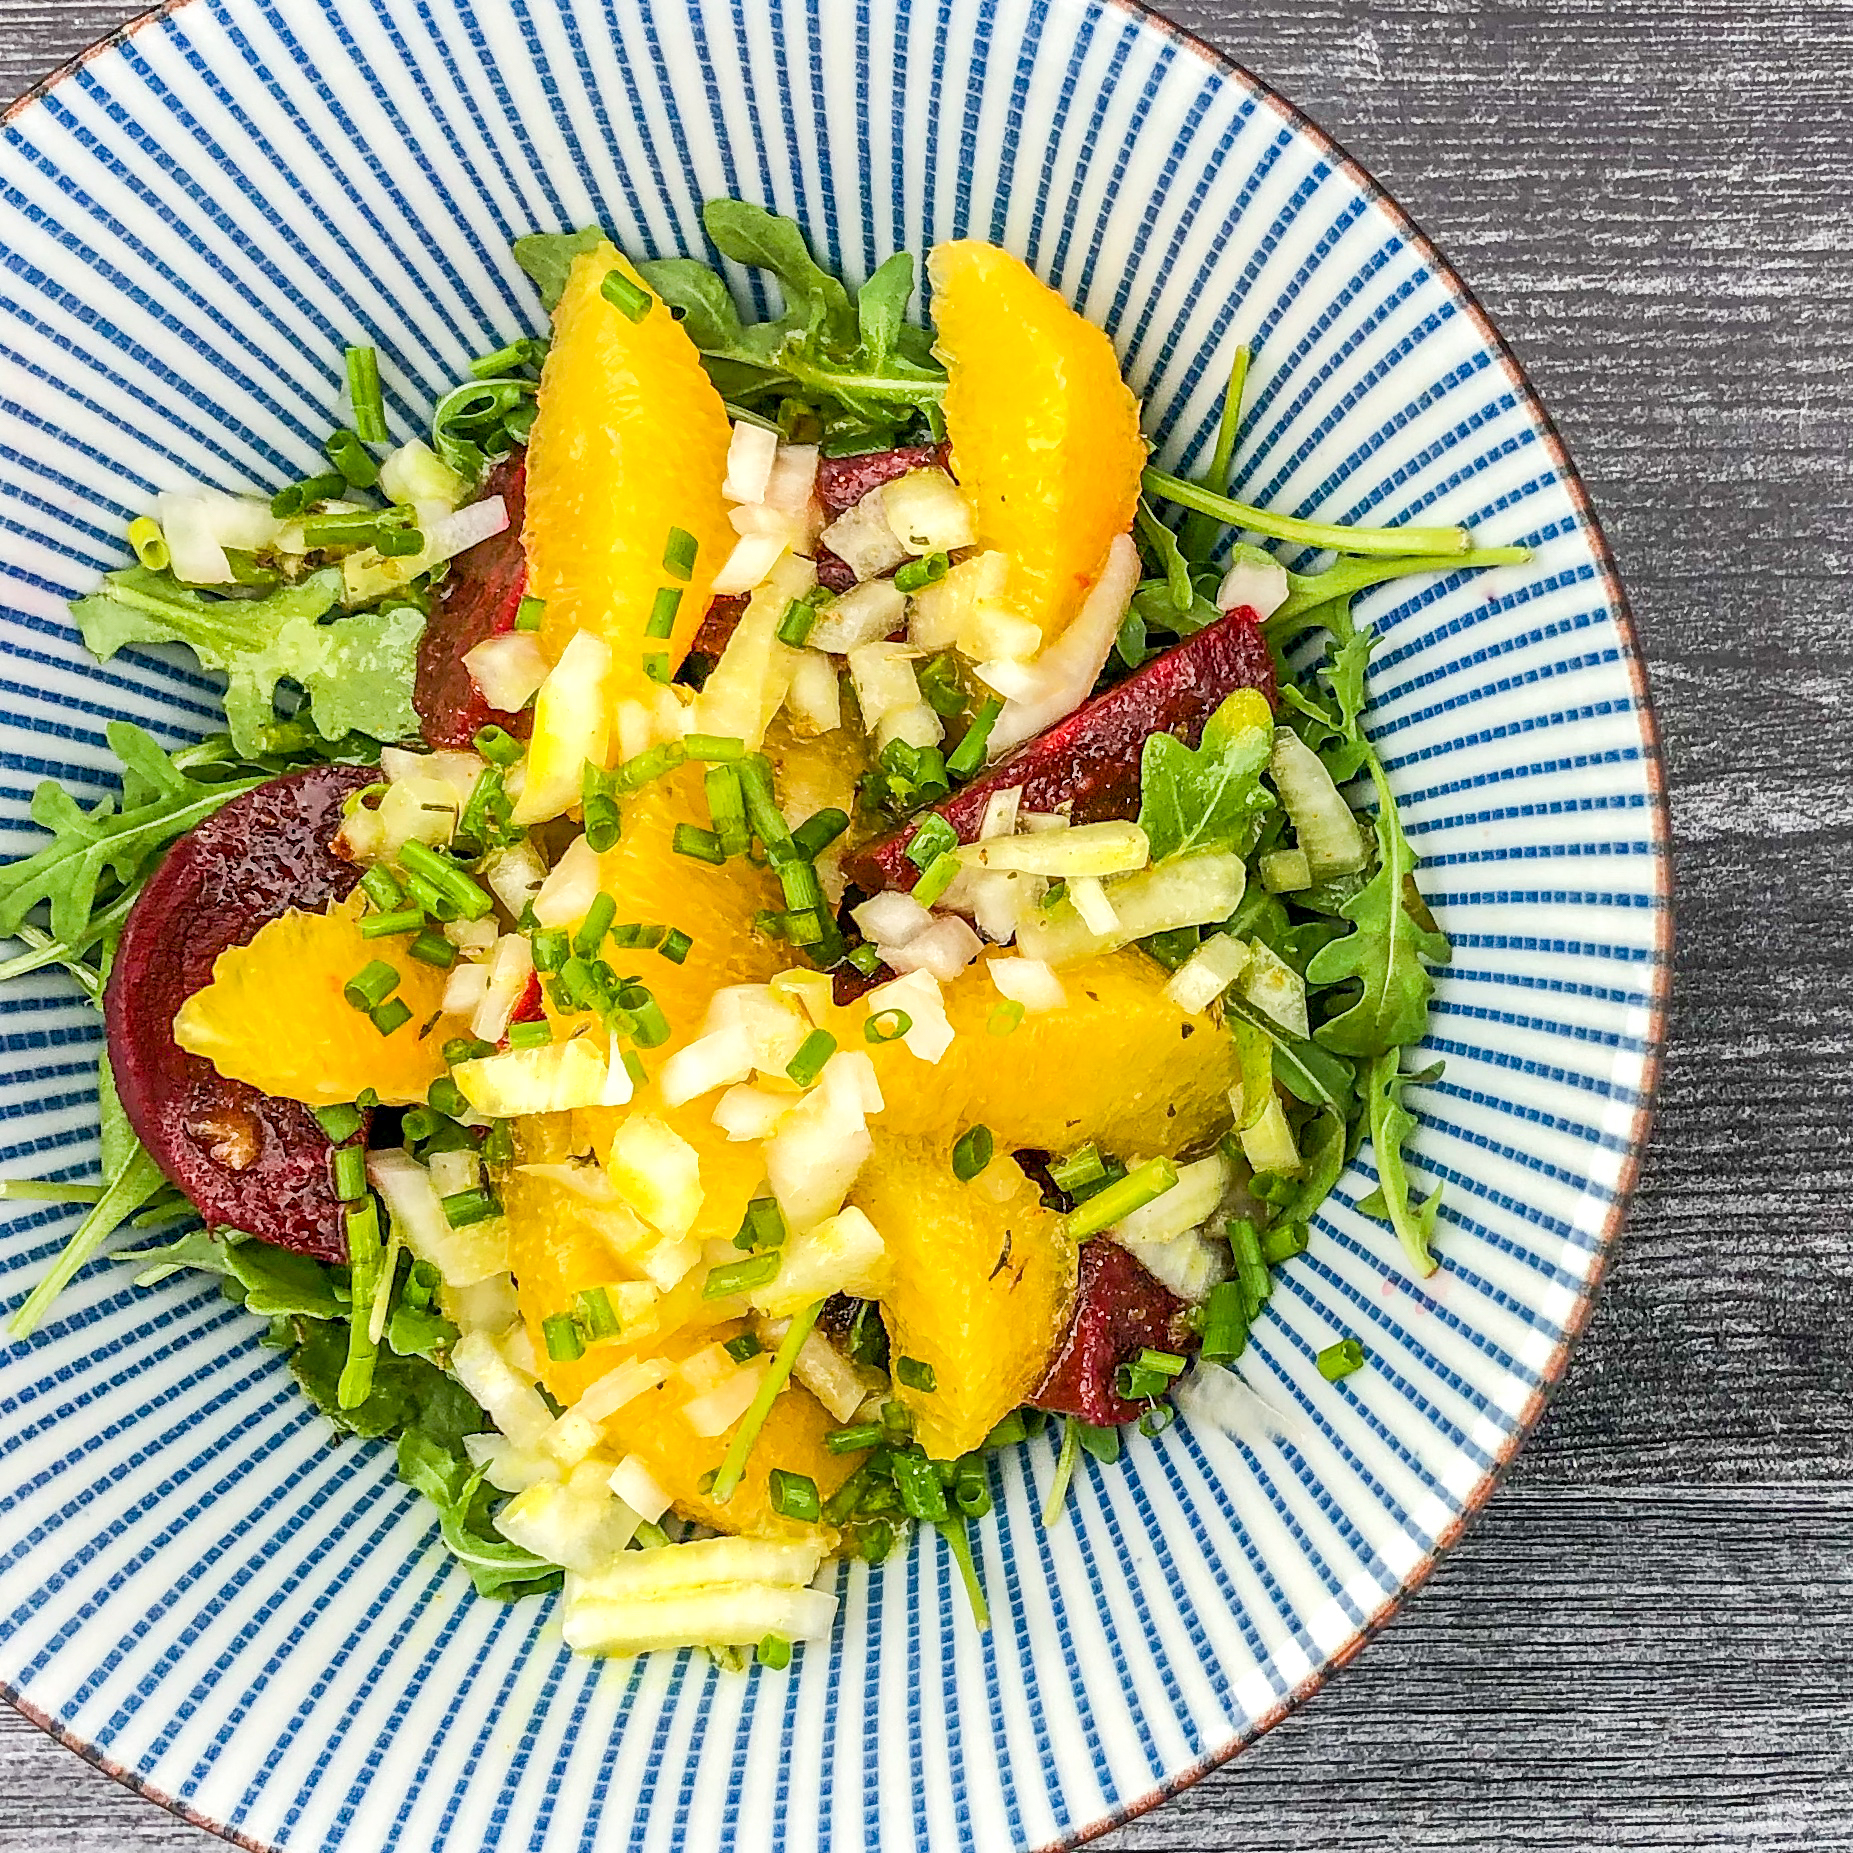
(1648, 1639)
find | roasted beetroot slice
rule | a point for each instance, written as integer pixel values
(1119, 1310)
(842, 482)
(476, 601)
(718, 623)
(1091, 759)
(834, 573)
(247, 1161)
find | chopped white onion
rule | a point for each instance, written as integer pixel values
(1000, 813)
(717, 1060)
(1180, 891)
(556, 1077)
(750, 563)
(465, 988)
(572, 728)
(566, 896)
(454, 1171)
(1324, 825)
(476, 1252)
(1191, 1201)
(599, 1401)
(815, 698)
(1029, 982)
(1275, 989)
(717, 1410)
(745, 1112)
(633, 1482)
(515, 876)
(1209, 1394)
(917, 994)
(510, 967)
(928, 513)
(1207, 973)
(944, 949)
(1114, 847)
(751, 453)
(415, 474)
(866, 613)
(891, 918)
(657, 1172)
(1091, 903)
(368, 575)
(1254, 581)
(792, 485)
(507, 669)
(507, 1396)
(861, 538)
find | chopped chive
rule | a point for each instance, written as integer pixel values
(887, 1026)
(743, 1348)
(530, 612)
(360, 530)
(802, 927)
(795, 625)
(968, 755)
(1079, 1169)
(1250, 1269)
(740, 1276)
(653, 762)
(1340, 1359)
(854, 1439)
(656, 665)
(593, 1312)
(150, 544)
(594, 927)
(818, 832)
(916, 575)
(340, 1123)
(467, 1049)
(400, 920)
(1003, 1021)
(813, 1052)
(803, 891)
(1139, 1386)
(603, 822)
(552, 948)
(713, 746)
(762, 806)
(938, 878)
(381, 889)
(727, 808)
(371, 985)
(363, 1259)
(631, 300)
(1140, 1186)
(433, 949)
(394, 1014)
(679, 553)
(897, 1419)
(1283, 1242)
(399, 543)
(363, 385)
(972, 1153)
(471, 899)
(346, 452)
(662, 619)
(468, 1206)
(499, 1146)
(633, 1066)
(447, 1097)
(1156, 1420)
(293, 498)
(774, 1651)
(534, 1034)
(650, 1028)
(497, 745)
(922, 1496)
(1010, 1430)
(933, 838)
(523, 351)
(940, 686)
(794, 1495)
(969, 1491)
(764, 1222)
(676, 945)
(350, 1173)
(916, 1375)
(1165, 1363)
(703, 845)
(867, 960)
(563, 1341)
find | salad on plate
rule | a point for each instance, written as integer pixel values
(774, 912)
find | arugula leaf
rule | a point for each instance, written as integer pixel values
(500, 1570)
(1322, 1153)
(270, 1282)
(700, 296)
(881, 308)
(1391, 1123)
(1384, 952)
(1159, 545)
(1209, 797)
(548, 257)
(1306, 1071)
(356, 672)
(815, 301)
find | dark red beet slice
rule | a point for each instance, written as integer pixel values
(718, 623)
(834, 574)
(842, 482)
(247, 1161)
(476, 601)
(1119, 1310)
(1091, 760)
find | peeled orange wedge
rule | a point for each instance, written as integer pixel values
(629, 441)
(1045, 433)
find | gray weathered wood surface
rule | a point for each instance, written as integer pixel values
(1648, 1640)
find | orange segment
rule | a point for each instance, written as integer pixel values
(1045, 433)
(629, 440)
(980, 1280)
(274, 1017)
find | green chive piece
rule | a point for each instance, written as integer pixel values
(1340, 1360)
(969, 1491)
(653, 762)
(733, 1465)
(363, 1259)
(802, 927)
(1250, 1269)
(380, 888)
(394, 1014)
(803, 891)
(923, 1497)
(360, 530)
(679, 553)
(676, 945)
(363, 385)
(497, 745)
(399, 543)
(794, 1495)
(552, 948)
(499, 1146)
(1004, 1020)
(650, 1028)
(471, 899)
(1010, 1430)
(604, 824)
(631, 300)
(795, 625)
(400, 920)
(727, 808)
(854, 1439)
(918, 574)
(1283, 1242)
(916, 1375)
(530, 612)
(968, 756)
(1079, 1169)
(1225, 1323)
(867, 961)
(1134, 1191)
(293, 498)
(713, 746)
(1165, 1363)
(467, 1049)
(703, 845)
(150, 544)
(940, 686)
(593, 1311)
(468, 1206)
(447, 1097)
(523, 351)
(371, 985)
(818, 832)
(1137, 1385)
(972, 1153)
(339, 1123)
(662, 619)
(594, 927)
(930, 841)
(744, 1348)
(740, 1276)
(939, 877)
(433, 949)
(656, 665)
(350, 1173)
(531, 1035)
(563, 1341)
(774, 1651)
(813, 1052)
(762, 807)
(887, 1026)
(346, 452)
(764, 1223)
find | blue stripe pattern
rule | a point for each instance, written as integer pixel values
(192, 225)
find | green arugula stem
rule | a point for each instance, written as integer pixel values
(733, 1466)
(957, 1533)
(1386, 1142)
(1345, 579)
(1305, 533)
(135, 1181)
(1064, 1473)
(862, 385)
(33, 1190)
(1198, 535)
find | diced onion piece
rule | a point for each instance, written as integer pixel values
(473, 938)
(850, 1082)
(1068, 668)
(1091, 903)
(507, 1468)
(996, 902)
(993, 634)
(463, 1257)
(1190, 1264)
(774, 1024)
(413, 809)
(697, 1068)
(815, 698)
(813, 1159)
(454, 1171)
(865, 614)
(1255, 581)
(842, 1387)
(458, 770)
(751, 453)
(944, 949)
(464, 989)
(1207, 973)
(368, 575)
(657, 1172)
(1218, 1398)
(579, 1525)
(601, 1399)
(939, 612)
(1110, 848)
(515, 876)
(861, 538)
(1028, 982)
(490, 1306)
(702, 1563)
(1000, 814)
(1275, 989)
(927, 513)
(198, 528)
(746, 688)
(507, 1397)
(1195, 890)
(792, 486)
(566, 896)
(1269, 1145)
(415, 473)
(1191, 1201)
(635, 726)
(1323, 823)
(751, 562)
(633, 1482)
(718, 1409)
(918, 996)
(891, 918)
(751, 1112)
(510, 967)
(888, 693)
(558, 1077)
(572, 724)
(1286, 871)
(842, 1254)
(761, 520)
(707, 1368)
(570, 1439)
